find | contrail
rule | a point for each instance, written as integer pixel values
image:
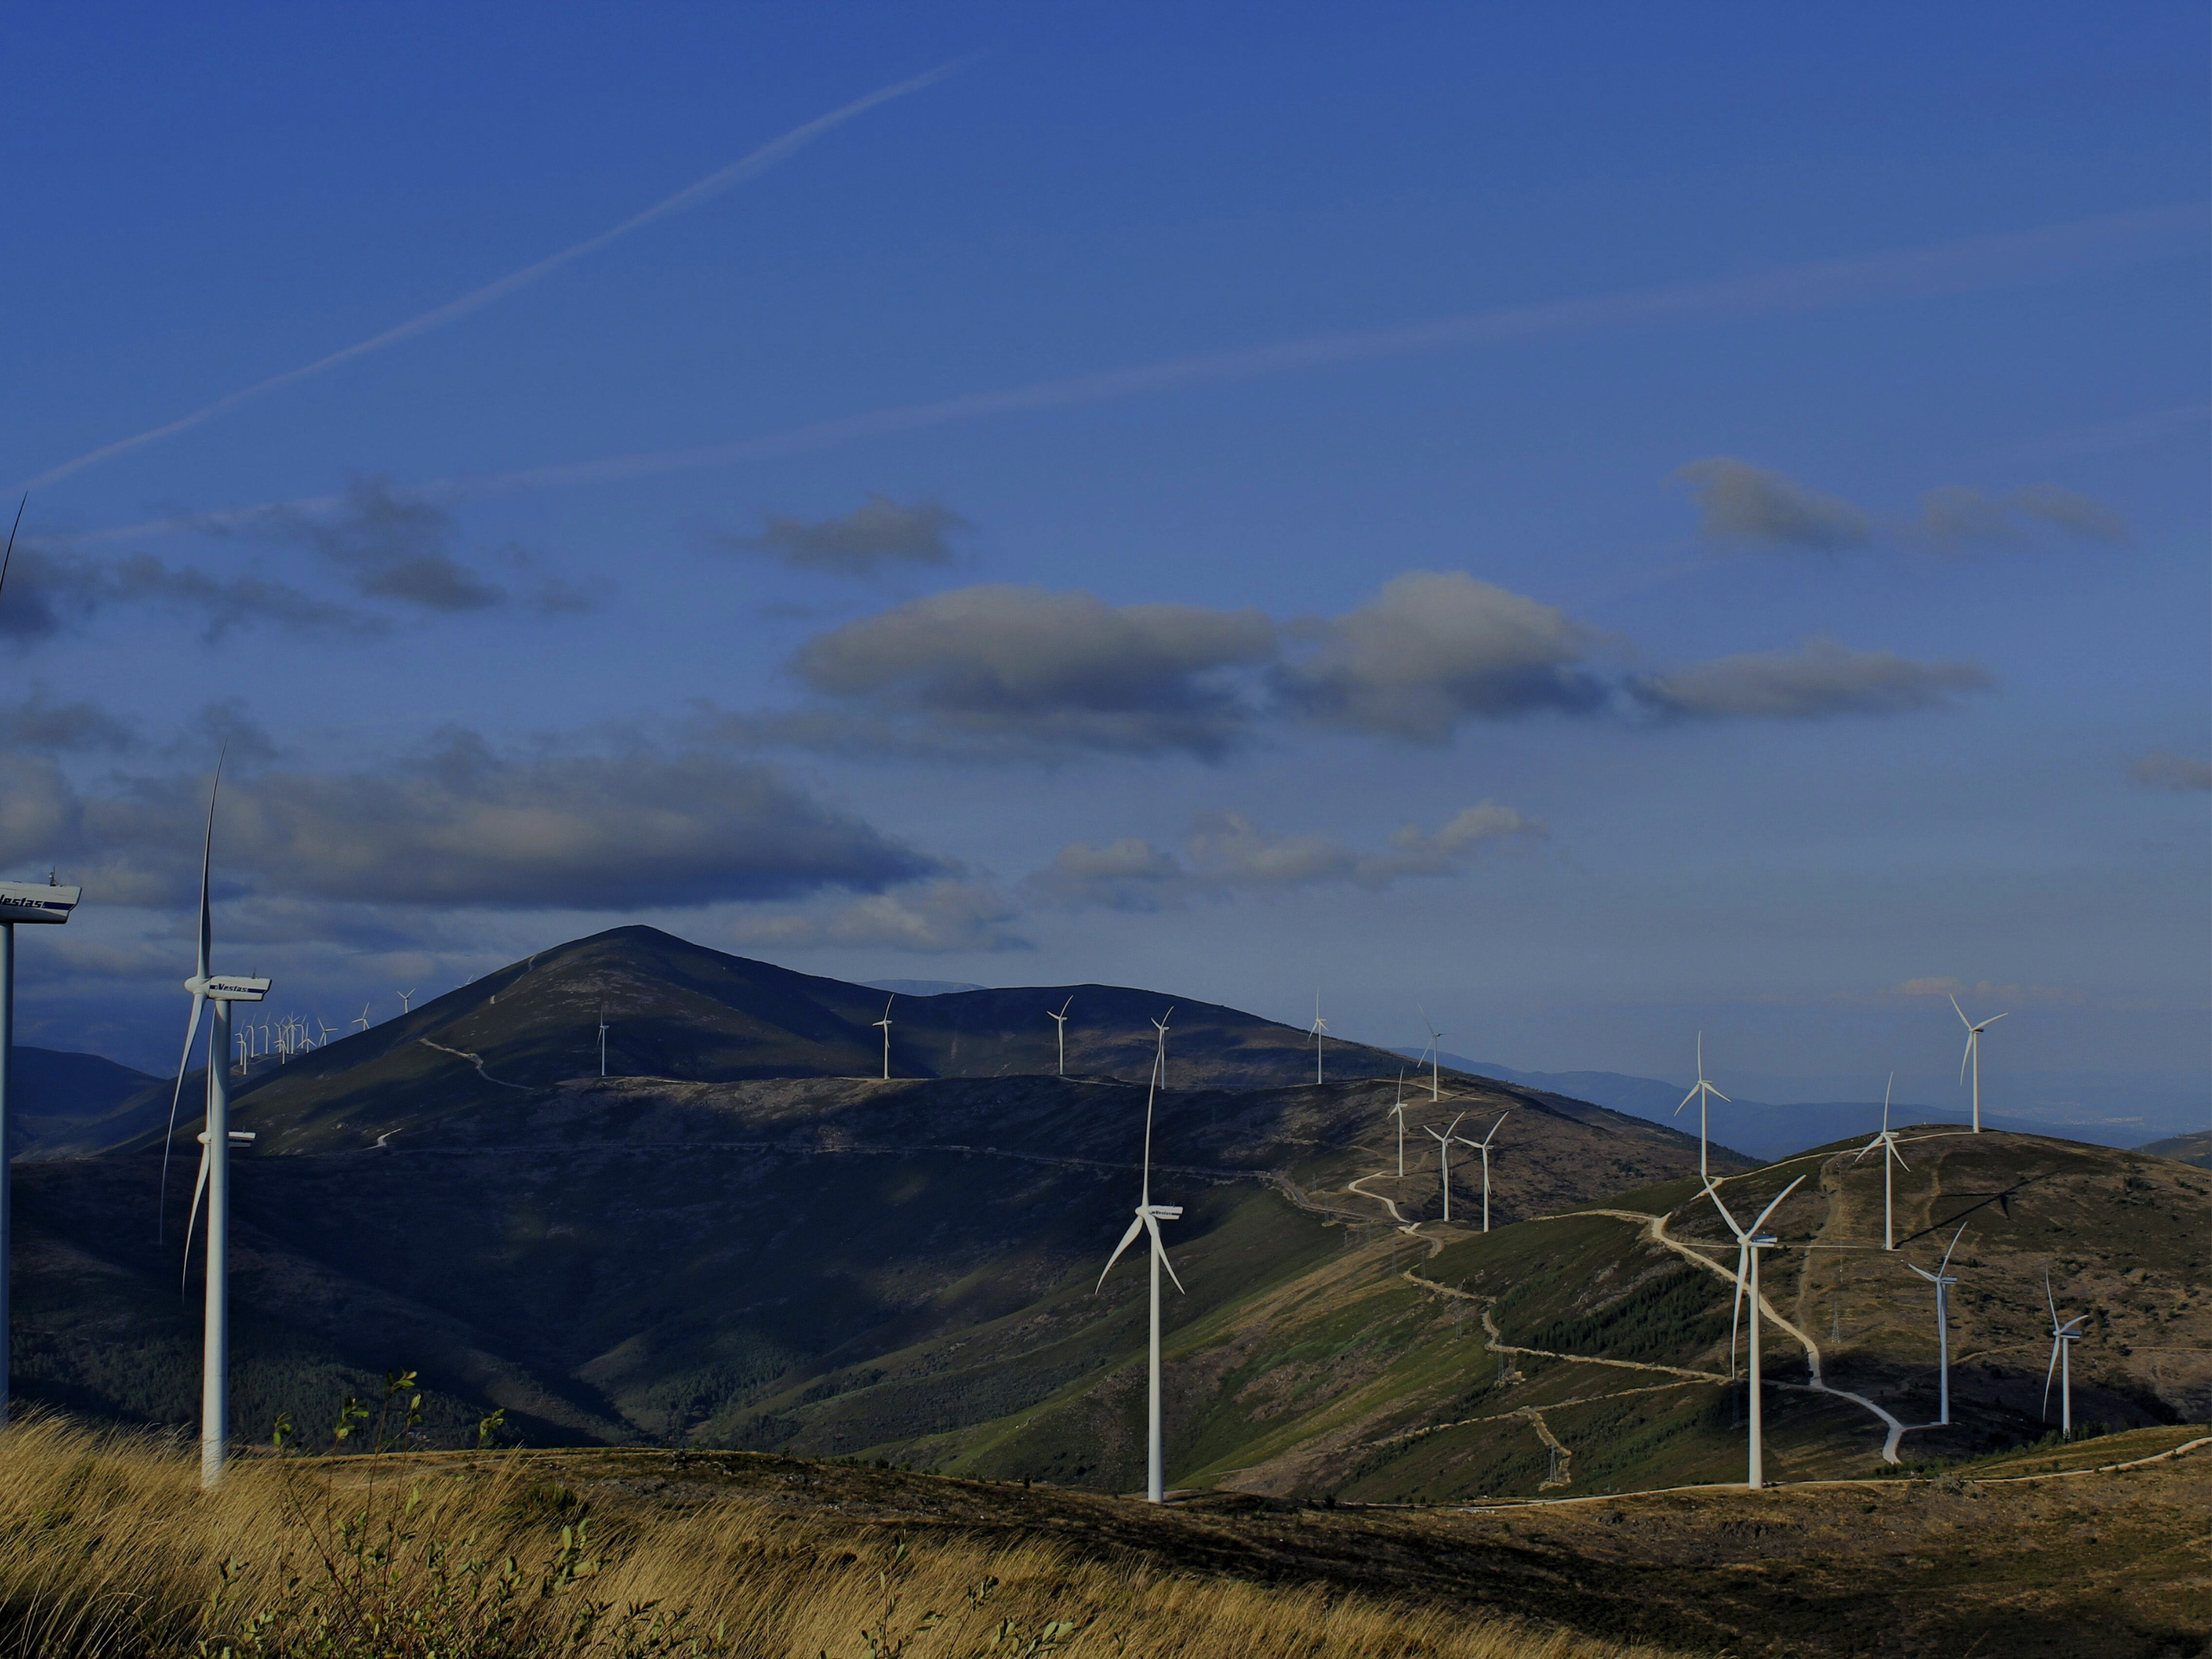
(749, 166)
(1973, 264)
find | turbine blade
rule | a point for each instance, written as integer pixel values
(1455, 1124)
(1713, 1192)
(1735, 1306)
(2050, 1300)
(1717, 1094)
(191, 1031)
(1776, 1205)
(1688, 1097)
(1967, 1055)
(9, 557)
(1961, 1013)
(1923, 1272)
(1899, 1156)
(198, 1186)
(1993, 1020)
(2050, 1371)
(1494, 1128)
(1152, 1226)
(1954, 1245)
(1135, 1227)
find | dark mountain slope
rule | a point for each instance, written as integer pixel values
(835, 1263)
(681, 1012)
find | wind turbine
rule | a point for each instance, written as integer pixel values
(363, 1020)
(1972, 1056)
(1482, 1147)
(602, 1042)
(2063, 1338)
(1435, 1051)
(1699, 1094)
(1398, 1111)
(214, 1177)
(1748, 1243)
(1444, 1156)
(1887, 1140)
(1320, 1025)
(1149, 1216)
(406, 1002)
(20, 901)
(1060, 1025)
(1943, 1282)
(885, 1023)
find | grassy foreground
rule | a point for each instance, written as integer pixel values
(108, 1548)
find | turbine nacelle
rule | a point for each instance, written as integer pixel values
(30, 901)
(228, 988)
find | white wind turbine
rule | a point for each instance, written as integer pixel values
(406, 1001)
(1972, 1056)
(2063, 1338)
(885, 1023)
(1444, 1159)
(1435, 1052)
(1148, 1218)
(1887, 1141)
(1748, 1243)
(1398, 1111)
(362, 1019)
(1482, 1147)
(1942, 1281)
(1060, 1026)
(1320, 1025)
(216, 1141)
(1699, 1094)
(602, 1042)
(29, 902)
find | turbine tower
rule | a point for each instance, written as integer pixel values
(20, 901)
(1443, 1158)
(1972, 1056)
(1060, 1027)
(1942, 1281)
(1149, 1216)
(2063, 1338)
(1699, 1094)
(1320, 1025)
(885, 1023)
(1435, 1052)
(1398, 1111)
(1748, 1243)
(216, 1141)
(1887, 1141)
(1482, 1147)
(602, 1042)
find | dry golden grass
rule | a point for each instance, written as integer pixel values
(108, 1548)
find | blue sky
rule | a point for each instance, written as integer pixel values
(1606, 521)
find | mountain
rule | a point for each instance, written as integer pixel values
(59, 1099)
(681, 1012)
(2187, 1148)
(823, 1259)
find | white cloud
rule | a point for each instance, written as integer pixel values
(931, 917)
(1225, 853)
(1819, 680)
(2178, 773)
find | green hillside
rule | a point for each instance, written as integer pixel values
(1586, 1350)
(835, 1264)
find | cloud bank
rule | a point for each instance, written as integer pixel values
(1819, 681)
(877, 536)
(1742, 505)
(1225, 853)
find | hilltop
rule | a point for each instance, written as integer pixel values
(680, 1012)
